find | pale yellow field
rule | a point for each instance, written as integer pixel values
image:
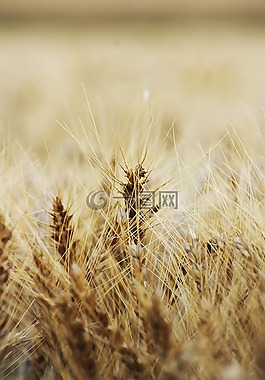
(203, 75)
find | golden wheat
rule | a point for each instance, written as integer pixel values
(118, 294)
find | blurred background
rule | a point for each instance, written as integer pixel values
(197, 64)
(121, 8)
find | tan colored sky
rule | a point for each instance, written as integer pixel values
(135, 7)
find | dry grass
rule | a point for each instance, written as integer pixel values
(124, 292)
(138, 295)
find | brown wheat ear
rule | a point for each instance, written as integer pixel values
(133, 197)
(62, 230)
(5, 236)
(5, 266)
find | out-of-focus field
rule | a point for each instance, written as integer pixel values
(106, 8)
(201, 74)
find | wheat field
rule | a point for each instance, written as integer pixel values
(111, 287)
